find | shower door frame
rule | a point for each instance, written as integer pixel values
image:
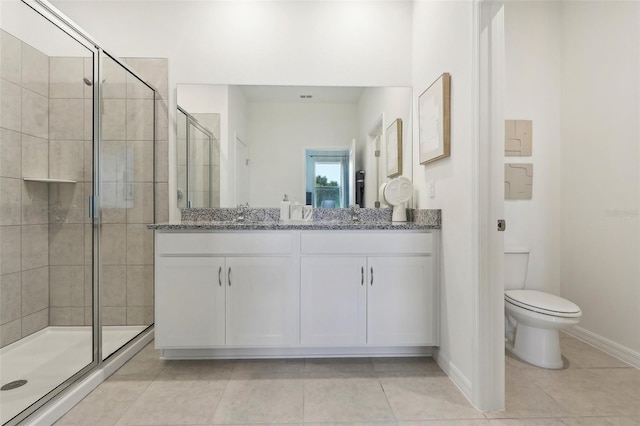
(192, 121)
(58, 19)
(97, 208)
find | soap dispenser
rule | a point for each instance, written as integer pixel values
(296, 211)
(284, 208)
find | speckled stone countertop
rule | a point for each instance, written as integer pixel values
(323, 219)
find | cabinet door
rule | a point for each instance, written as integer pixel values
(333, 300)
(400, 300)
(262, 301)
(190, 295)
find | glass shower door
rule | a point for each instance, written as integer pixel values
(198, 165)
(127, 206)
(200, 156)
(46, 234)
(181, 150)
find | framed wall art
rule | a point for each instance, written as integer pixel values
(434, 110)
(394, 148)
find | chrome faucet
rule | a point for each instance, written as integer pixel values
(241, 212)
(355, 212)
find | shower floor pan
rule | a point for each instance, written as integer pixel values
(47, 358)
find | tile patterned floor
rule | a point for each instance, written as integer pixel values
(594, 389)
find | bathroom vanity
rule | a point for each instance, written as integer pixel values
(228, 289)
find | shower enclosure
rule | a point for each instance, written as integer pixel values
(198, 150)
(77, 186)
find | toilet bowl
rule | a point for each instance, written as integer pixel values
(534, 318)
(538, 319)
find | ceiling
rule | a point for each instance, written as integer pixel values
(319, 94)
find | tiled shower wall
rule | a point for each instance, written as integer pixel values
(24, 222)
(127, 245)
(45, 233)
(70, 157)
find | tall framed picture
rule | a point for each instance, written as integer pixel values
(434, 110)
(394, 148)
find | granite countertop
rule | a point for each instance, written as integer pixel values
(223, 219)
(287, 226)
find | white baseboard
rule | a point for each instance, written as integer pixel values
(58, 407)
(296, 352)
(456, 376)
(614, 349)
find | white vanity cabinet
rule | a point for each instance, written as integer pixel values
(190, 301)
(333, 297)
(295, 293)
(217, 289)
(401, 301)
(262, 302)
(379, 289)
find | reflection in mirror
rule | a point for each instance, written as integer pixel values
(327, 184)
(266, 134)
(198, 159)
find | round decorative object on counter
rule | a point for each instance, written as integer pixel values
(397, 192)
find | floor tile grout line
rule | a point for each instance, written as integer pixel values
(226, 385)
(386, 397)
(131, 403)
(304, 380)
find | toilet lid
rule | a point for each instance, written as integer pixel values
(543, 303)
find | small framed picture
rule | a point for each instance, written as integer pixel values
(434, 109)
(394, 148)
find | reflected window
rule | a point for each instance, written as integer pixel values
(327, 181)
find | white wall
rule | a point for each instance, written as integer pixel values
(600, 167)
(203, 98)
(391, 103)
(23, 22)
(533, 33)
(237, 128)
(363, 43)
(259, 42)
(279, 133)
(442, 43)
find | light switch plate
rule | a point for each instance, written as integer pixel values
(431, 189)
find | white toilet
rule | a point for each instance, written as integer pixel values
(533, 318)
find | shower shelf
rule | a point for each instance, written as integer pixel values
(47, 180)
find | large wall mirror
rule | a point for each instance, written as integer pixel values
(323, 146)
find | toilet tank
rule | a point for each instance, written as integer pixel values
(516, 260)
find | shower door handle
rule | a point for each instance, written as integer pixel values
(92, 207)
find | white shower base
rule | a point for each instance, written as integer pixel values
(49, 357)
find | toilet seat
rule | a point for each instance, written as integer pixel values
(543, 303)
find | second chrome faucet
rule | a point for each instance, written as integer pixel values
(355, 212)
